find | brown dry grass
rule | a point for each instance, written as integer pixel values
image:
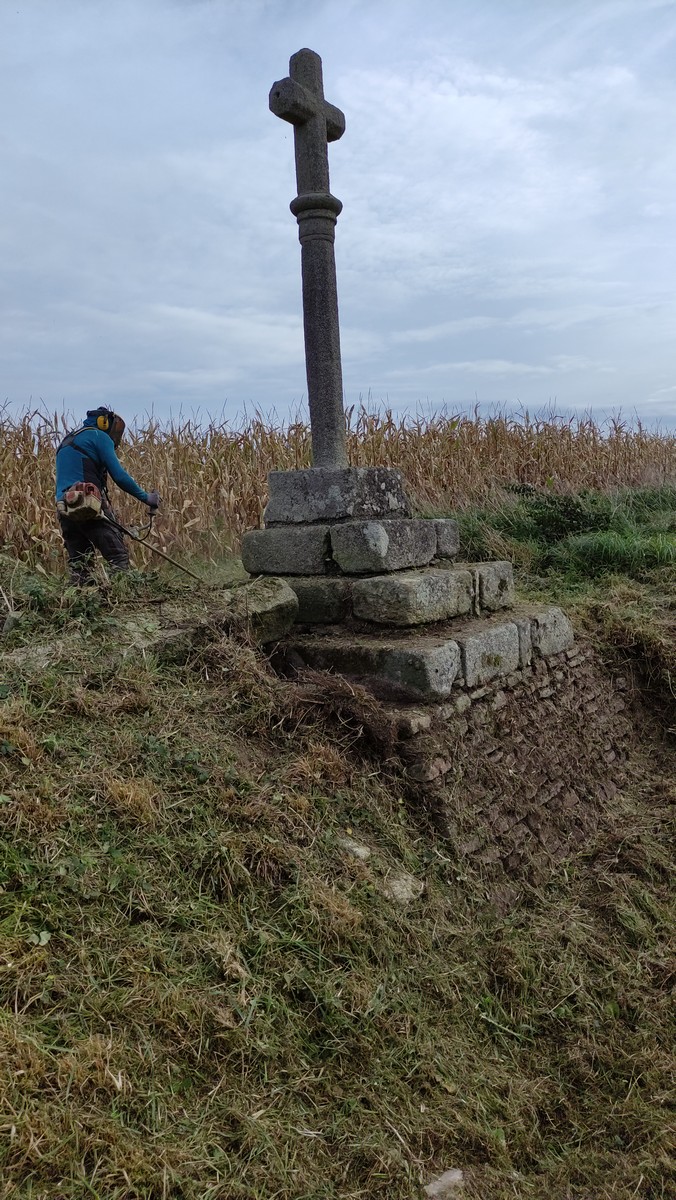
(204, 997)
(213, 478)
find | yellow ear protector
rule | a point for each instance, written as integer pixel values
(109, 422)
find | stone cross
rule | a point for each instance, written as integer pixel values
(300, 100)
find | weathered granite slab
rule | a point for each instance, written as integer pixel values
(422, 668)
(335, 494)
(322, 599)
(487, 650)
(266, 607)
(448, 537)
(413, 597)
(494, 585)
(371, 547)
(286, 550)
(551, 631)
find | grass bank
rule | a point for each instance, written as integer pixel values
(206, 994)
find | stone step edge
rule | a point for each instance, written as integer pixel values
(405, 599)
(411, 723)
(428, 669)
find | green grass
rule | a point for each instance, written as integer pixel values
(609, 558)
(204, 996)
(629, 531)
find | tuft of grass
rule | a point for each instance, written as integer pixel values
(630, 553)
(628, 531)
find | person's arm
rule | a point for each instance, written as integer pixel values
(117, 472)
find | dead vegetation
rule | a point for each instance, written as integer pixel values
(213, 477)
(205, 993)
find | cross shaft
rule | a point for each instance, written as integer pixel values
(299, 99)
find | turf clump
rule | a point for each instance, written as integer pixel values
(205, 994)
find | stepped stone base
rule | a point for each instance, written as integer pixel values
(351, 553)
(428, 668)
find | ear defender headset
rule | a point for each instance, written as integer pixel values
(109, 422)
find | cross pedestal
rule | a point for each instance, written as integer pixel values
(417, 627)
(332, 518)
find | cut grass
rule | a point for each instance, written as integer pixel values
(205, 996)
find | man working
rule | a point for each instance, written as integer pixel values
(84, 460)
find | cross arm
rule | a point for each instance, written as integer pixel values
(335, 122)
(291, 101)
(294, 103)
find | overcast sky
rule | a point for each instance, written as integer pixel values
(508, 176)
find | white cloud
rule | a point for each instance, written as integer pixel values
(433, 333)
(505, 367)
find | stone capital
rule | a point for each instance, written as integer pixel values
(316, 204)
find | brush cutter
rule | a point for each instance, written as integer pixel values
(142, 538)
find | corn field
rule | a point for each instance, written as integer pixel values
(212, 478)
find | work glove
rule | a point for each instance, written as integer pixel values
(153, 502)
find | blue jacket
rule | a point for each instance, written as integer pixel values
(73, 467)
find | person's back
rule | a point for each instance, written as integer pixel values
(84, 460)
(88, 455)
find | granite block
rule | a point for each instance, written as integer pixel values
(551, 631)
(423, 668)
(373, 547)
(448, 537)
(322, 599)
(286, 550)
(494, 585)
(320, 494)
(413, 597)
(488, 651)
